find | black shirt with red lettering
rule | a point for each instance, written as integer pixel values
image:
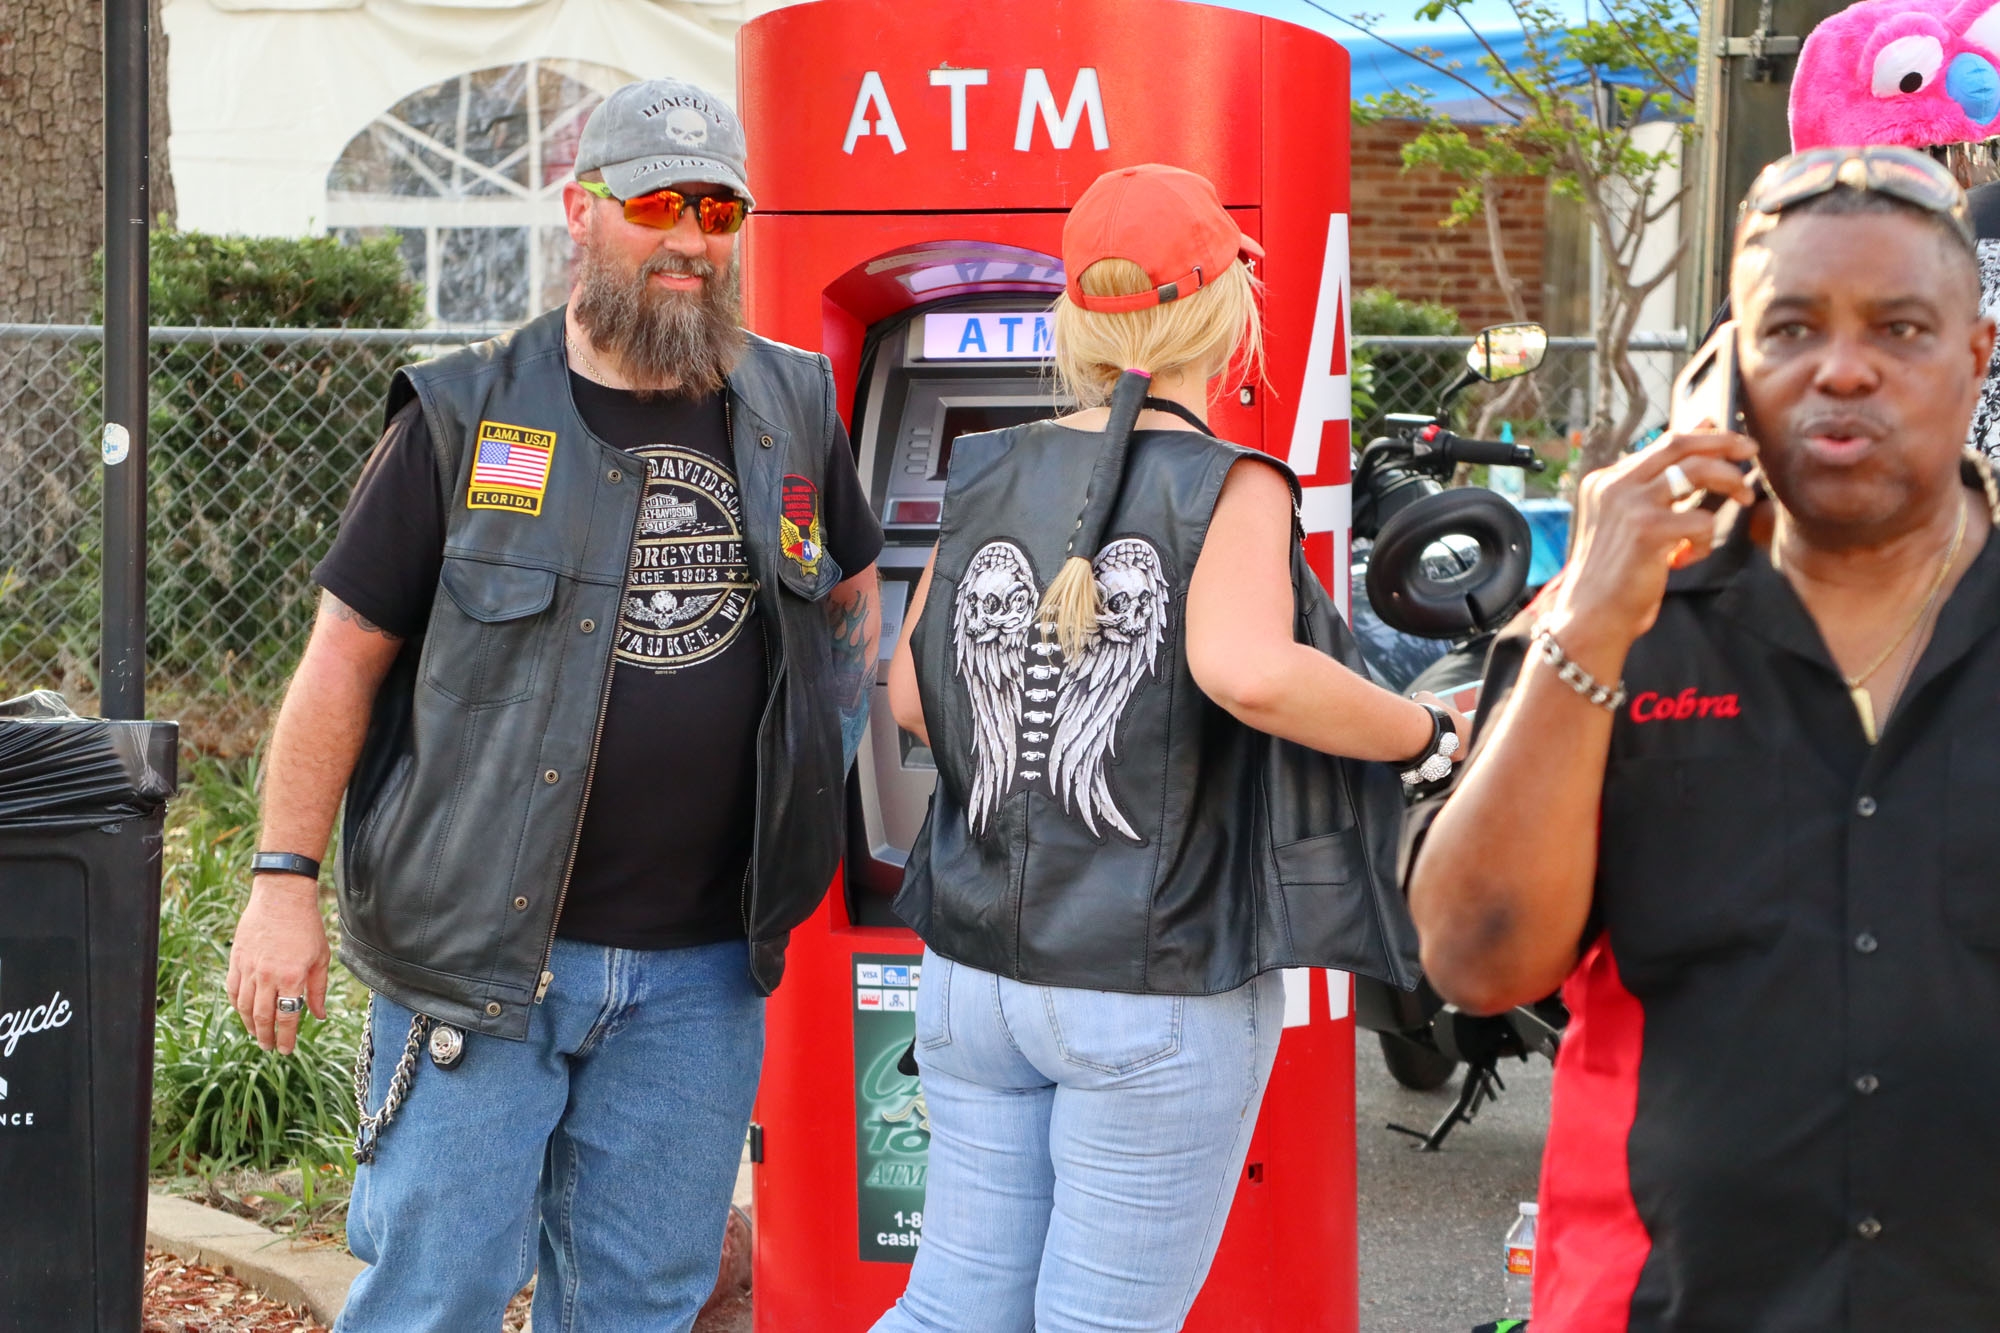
(1775, 1106)
(667, 834)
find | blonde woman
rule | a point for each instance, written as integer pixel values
(1106, 627)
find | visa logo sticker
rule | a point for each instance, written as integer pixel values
(989, 335)
(867, 974)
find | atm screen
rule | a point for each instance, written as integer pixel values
(972, 420)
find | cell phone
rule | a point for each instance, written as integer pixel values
(1708, 395)
(1709, 388)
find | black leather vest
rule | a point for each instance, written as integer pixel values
(463, 813)
(1101, 823)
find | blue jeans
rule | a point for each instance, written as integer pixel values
(605, 1146)
(1085, 1148)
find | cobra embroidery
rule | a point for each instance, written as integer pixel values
(1041, 720)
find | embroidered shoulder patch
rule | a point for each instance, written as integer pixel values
(510, 468)
(800, 534)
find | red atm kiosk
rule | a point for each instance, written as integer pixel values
(913, 162)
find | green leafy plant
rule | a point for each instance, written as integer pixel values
(1572, 107)
(252, 448)
(220, 1102)
(1394, 379)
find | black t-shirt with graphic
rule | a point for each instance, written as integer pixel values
(667, 834)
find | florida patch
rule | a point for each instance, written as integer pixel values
(800, 534)
(510, 468)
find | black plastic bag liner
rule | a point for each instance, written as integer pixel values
(60, 771)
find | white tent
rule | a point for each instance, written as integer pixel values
(448, 123)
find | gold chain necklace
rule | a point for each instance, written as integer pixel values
(581, 348)
(1864, 704)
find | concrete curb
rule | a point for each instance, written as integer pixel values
(313, 1276)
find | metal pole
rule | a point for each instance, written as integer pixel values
(122, 657)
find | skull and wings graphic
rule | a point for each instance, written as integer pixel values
(1037, 718)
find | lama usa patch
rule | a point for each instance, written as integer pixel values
(510, 468)
(800, 534)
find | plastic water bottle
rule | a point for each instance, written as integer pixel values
(1520, 1290)
(1507, 481)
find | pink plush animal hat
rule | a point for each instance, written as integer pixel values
(1915, 73)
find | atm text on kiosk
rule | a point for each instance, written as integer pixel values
(915, 162)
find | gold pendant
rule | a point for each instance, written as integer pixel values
(1866, 707)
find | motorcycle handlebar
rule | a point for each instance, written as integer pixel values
(1493, 453)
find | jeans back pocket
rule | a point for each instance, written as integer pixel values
(1112, 1032)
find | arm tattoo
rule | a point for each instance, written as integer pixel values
(853, 654)
(339, 610)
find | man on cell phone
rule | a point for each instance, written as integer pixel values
(1759, 785)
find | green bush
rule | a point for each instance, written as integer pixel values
(1394, 380)
(219, 1102)
(253, 449)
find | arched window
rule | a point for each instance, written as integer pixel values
(468, 173)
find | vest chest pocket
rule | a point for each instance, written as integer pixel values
(488, 633)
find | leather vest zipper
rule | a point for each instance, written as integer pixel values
(596, 744)
(770, 674)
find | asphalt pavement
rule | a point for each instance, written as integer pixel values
(1433, 1224)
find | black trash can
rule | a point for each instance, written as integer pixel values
(82, 802)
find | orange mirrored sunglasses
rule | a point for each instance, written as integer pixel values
(715, 214)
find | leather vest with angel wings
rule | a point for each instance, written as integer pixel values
(1089, 824)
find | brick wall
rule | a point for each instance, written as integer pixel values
(1396, 241)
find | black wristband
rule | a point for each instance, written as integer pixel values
(1440, 723)
(285, 863)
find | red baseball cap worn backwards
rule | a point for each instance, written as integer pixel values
(1169, 222)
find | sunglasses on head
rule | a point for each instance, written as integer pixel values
(1901, 173)
(716, 214)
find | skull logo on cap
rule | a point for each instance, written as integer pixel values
(687, 127)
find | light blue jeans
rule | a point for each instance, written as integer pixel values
(1085, 1148)
(605, 1145)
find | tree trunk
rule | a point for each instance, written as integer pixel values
(51, 224)
(52, 154)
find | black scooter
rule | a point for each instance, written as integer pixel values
(1437, 572)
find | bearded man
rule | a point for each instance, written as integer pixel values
(589, 666)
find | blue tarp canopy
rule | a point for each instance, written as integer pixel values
(1377, 67)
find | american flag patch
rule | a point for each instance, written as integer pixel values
(510, 468)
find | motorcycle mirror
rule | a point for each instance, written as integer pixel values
(1506, 351)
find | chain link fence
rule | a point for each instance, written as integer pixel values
(256, 436)
(1547, 409)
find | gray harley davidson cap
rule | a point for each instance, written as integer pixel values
(662, 132)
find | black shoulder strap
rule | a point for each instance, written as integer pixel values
(1168, 405)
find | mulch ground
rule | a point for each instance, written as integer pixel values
(186, 1298)
(181, 1297)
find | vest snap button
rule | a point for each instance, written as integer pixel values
(614, 476)
(493, 1008)
(551, 777)
(588, 626)
(520, 904)
(764, 440)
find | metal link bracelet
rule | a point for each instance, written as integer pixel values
(1610, 698)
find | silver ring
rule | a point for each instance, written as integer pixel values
(291, 1004)
(1677, 482)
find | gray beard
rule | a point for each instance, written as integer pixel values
(691, 340)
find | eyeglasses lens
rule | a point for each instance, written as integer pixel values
(663, 208)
